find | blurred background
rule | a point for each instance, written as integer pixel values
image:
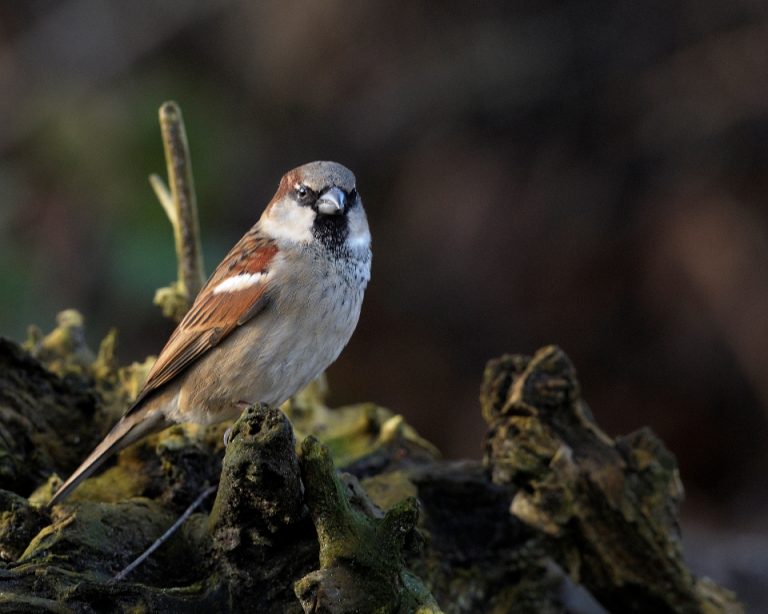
(586, 173)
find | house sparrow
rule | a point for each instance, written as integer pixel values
(275, 313)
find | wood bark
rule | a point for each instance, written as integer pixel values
(361, 516)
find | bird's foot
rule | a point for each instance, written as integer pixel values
(227, 436)
(242, 406)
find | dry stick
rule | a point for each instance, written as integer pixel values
(165, 536)
(180, 205)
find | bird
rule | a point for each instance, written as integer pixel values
(276, 312)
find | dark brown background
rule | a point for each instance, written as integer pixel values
(591, 174)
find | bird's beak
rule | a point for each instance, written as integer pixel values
(332, 202)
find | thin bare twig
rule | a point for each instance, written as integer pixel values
(165, 536)
(180, 204)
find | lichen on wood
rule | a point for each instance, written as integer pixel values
(556, 509)
(46, 421)
(361, 555)
(609, 507)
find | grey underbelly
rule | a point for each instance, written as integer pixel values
(268, 359)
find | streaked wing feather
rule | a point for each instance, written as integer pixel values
(214, 316)
(180, 351)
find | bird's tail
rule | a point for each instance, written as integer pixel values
(131, 427)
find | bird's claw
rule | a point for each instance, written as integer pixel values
(227, 436)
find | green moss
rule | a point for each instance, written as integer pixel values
(19, 522)
(555, 490)
(16, 603)
(97, 539)
(353, 432)
(388, 489)
(361, 557)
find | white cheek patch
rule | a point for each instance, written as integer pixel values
(289, 222)
(239, 282)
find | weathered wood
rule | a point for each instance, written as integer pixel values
(556, 511)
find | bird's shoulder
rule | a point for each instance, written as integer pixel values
(236, 292)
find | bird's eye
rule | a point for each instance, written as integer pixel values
(302, 191)
(353, 194)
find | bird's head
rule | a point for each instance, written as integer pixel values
(318, 202)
